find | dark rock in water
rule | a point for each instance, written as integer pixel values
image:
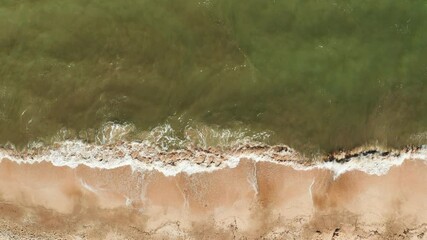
(343, 157)
(329, 158)
(343, 160)
(385, 154)
(369, 152)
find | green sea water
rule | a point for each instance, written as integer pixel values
(316, 75)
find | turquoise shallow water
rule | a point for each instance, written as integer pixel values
(316, 75)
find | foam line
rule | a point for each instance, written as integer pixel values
(171, 163)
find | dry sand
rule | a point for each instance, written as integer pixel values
(255, 200)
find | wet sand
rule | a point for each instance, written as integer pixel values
(255, 200)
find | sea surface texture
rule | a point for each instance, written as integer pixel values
(318, 76)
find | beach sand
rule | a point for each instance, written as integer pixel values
(255, 200)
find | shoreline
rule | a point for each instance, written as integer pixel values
(142, 157)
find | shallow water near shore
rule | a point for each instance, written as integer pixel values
(317, 76)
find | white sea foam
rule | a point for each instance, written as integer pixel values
(74, 153)
(111, 150)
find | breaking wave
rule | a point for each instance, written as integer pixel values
(197, 150)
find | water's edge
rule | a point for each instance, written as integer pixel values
(141, 157)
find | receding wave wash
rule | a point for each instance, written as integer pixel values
(315, 75)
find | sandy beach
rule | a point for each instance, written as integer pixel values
(254, 200)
